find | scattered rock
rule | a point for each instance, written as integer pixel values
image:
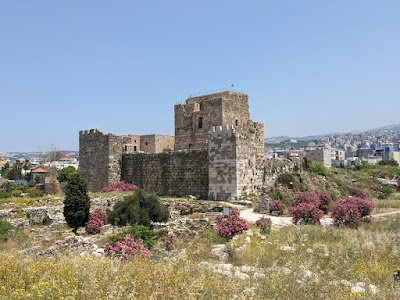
(287, 248)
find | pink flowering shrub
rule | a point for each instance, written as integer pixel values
(320, 198)
(306, 197)
(120, 187)
(375, 188)
(325, 200)
(351, 212)
(97, 219)
(358, 193)
(126, 248)
(265, 225)
(229, 226)
(306, 213)
(169, 241)
(276, 206)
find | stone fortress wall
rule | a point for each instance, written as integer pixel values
(217, 152)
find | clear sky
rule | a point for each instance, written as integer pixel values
(309, 67)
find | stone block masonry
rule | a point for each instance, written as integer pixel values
(176, 174)
(217, 152)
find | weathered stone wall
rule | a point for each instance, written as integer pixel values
(274, 167)
(164, 143)
(177, 173)
(93, 153)
(195, 118)
(235, 168)
(100, 154)
(222, 171)
(156, 143)
(249, 164)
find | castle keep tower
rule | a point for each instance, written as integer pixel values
(195, 118)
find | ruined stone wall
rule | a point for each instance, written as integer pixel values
(164, 143)
(93, 153)
(147, 143)
(222, 170)
(177, 173)
(249, 164)
(274, 167)
(235, 166)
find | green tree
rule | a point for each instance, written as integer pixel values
(16, 169)
(139, 208)
(388, 162)
(76, 203)
(65, 173)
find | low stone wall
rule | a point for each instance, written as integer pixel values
(173, 174)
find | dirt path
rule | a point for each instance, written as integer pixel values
(252, 217)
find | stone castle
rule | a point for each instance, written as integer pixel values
(217, 152)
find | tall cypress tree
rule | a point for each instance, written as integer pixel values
(76, 203)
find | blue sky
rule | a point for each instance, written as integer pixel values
(309, 67)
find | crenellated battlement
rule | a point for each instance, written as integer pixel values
(89, 131)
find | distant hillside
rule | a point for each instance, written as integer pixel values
(394, 127)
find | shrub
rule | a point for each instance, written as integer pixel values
(231, 225)
(4, 194)
(351, 211)
(387, 191)
(126, 248)
(16, 193)
(285, 179)
(265, 225)
(119, 187)
(34, 193)
(140, 208)
(325, 200)
(388, 162)
(5, 229)
(306, 197)
(321, 199)
(76, 203)
(147, 236)
(97, 219)
(358, 193)
(276, 206)
(65, 174)
(306, 213)
(169, 241)
(375, 188)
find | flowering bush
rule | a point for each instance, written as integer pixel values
(120, 187)
(359, 193)
(229, 226)
(306, 197)
(97, 219)
(351, 211)
(276, 206)
(142, 232)
(375, 188)
(324, 200)
(320, 198)
(169, 241)
(306, 213)
(265, 225)
(126, 248)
